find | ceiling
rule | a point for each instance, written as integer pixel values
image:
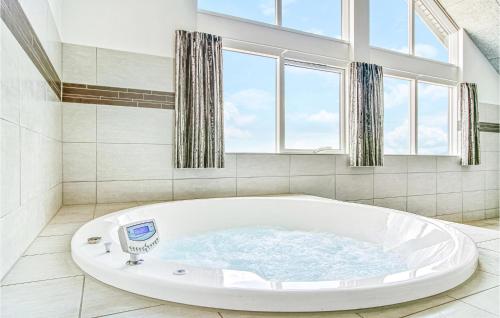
(481, 20)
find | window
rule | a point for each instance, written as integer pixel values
(249, 102)
(395, 26)
(397, 131)
(322, 17)
(433, 119)
(422, 129)
(389, 24)
(312, 107)
(427, 43)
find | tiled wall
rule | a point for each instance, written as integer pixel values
(31, 138)
(120, 154)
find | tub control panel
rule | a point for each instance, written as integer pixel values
(138, 238)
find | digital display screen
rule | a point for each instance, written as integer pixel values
(141, 230)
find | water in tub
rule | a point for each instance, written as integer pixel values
(283, 255)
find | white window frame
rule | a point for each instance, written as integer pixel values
(278, 20)
(453, 135)
(281, 136)
(444, 22)
(315, 62)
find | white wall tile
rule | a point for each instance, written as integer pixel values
(473, 216)
(456, 217)
(125, 69)
(491, 180)
(79, 162)
(312, 165)
(422, 164)
(421, 183)
(262, 165)
(391, 203)
(423, 205)
(52, 126)
(10, 76)
(354, 187)
(79, 192)
(489, 160)
(449, 203)
(449, 182)
(490, 141)
(491, 213)
(227, 172)
(11, 167)
(491, 199)
(393, 164)
(342, 166)
(204, 188)
(473, 201)
(322, 186)
(31, 165)
(473, 181)
(33, 97)
(390, 185)
(263, 186)
(133, 162)
(134, 125)
(447, 163)
(79, 64)
(79, 122)
(131, 191)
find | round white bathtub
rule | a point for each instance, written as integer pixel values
(438, 257)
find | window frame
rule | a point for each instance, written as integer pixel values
(453, 115)
(281, 126)
(278, 21)
(452, 48)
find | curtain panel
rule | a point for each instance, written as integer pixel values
(199, 113)
(366, 110)
(470, 124)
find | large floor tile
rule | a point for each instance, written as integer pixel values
(100, 299)
(61, 229)
(479, 282)
(476, 233)
(454, 309)
(74, 214)
(488, 300)
(401, 310)
(42, 267)
(50, 244)
(53, 298)
(169, 311)
(489, 261)
(493, 245)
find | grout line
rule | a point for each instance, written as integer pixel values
(126, 311)
(81, 298)
(42, 280)
(419, 311)
(477, 307)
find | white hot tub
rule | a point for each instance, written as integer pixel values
(436, 256)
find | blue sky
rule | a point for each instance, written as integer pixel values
(311, 97)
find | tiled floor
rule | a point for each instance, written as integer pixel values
(46, 283)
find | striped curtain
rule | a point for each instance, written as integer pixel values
(199, 113)
(366, 115)
(470, 124)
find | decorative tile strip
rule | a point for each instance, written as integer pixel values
(116, 96)
(16, 20)
(489, 127)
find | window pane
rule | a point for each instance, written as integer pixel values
(258, 10)
(389, 24)
(427, 44)
(432, 119)
(321, 17)
(249, 102)
(396, 115)
(312, 101)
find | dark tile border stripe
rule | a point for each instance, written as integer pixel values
(116, 96)
(489, 127)
(16, 20)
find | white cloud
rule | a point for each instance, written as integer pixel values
(233, 115)
(323, 116)
(433, 92)
(396, 95)
(237, 133)
(267, 7)
(425, 50)
(432, 140)
(251, 98)
(397, 140)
